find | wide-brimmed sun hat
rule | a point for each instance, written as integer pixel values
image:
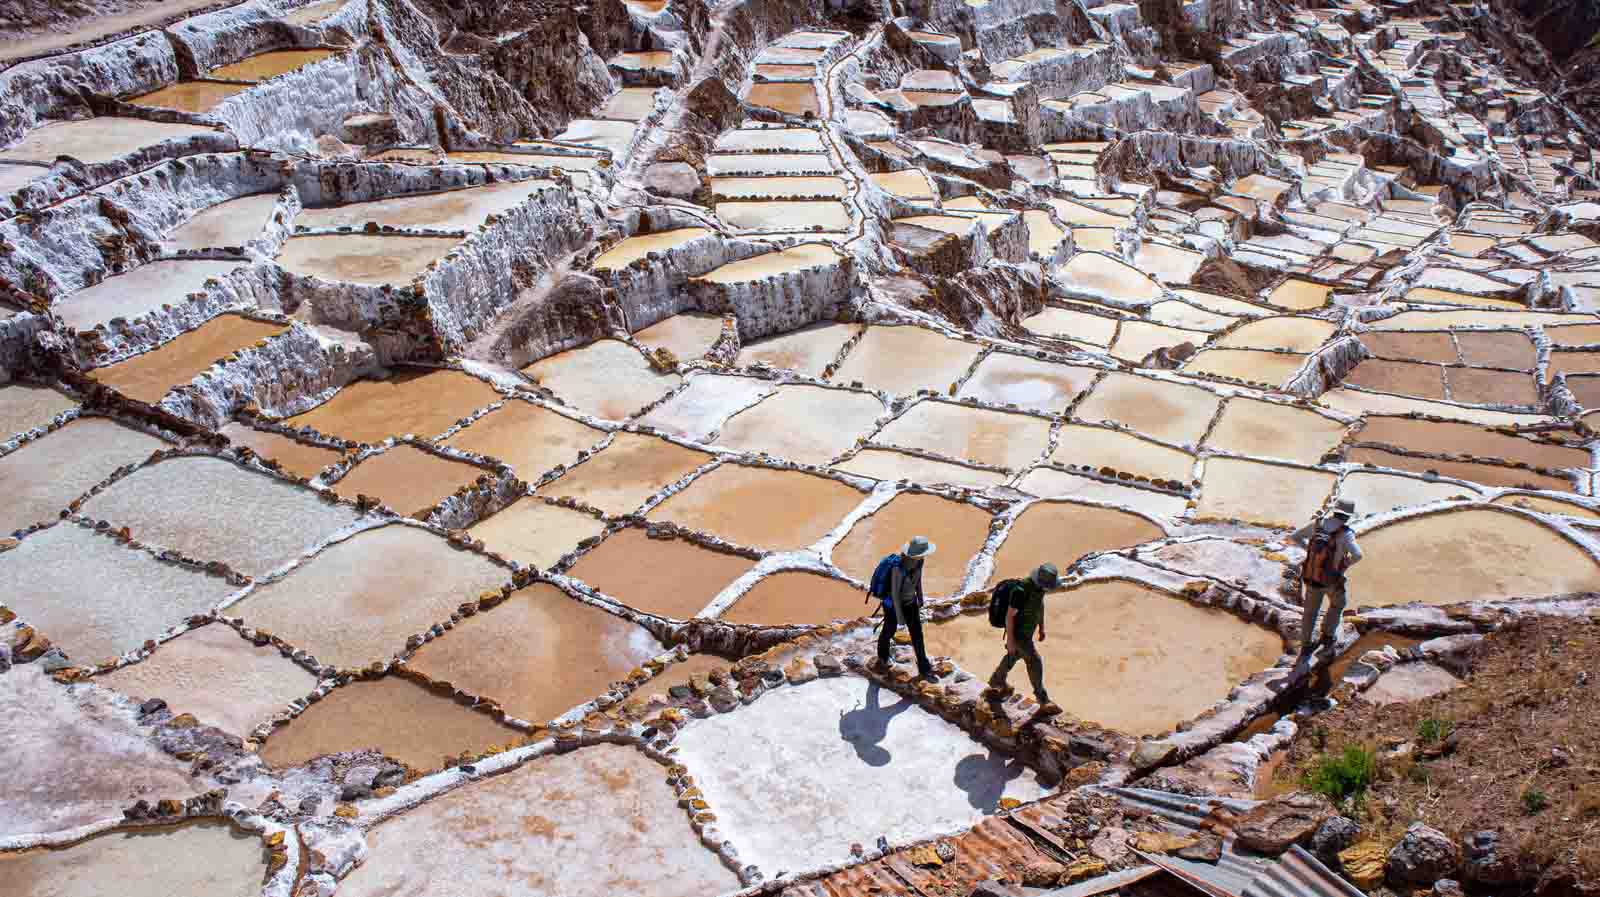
(1345, 509)
(1045, 576)
(918, 547)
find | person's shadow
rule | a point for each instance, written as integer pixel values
(865, 727)
(984, 778)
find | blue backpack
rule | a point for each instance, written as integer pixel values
(879, 588)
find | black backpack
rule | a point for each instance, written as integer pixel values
(1000, 601)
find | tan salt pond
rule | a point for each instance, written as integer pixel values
(688, 335)
(463, 209)
(995, 438)
(1270, 430)
(407, 479)
(1287, 332)
(218, 676)
(1137, 339)
(1449, 297)
(401, 718)
(619, 478)
(761, 267)
(1061, 532)
(1006, 379)
(234, 222)
(148, 377)
(638, 246)
(1174, 313)
(1172, 412)
(1300, 295)
(190, 96)
(902, 360)
(144, 861)
(883, 464)
(1510, 349)
(795, 597)
(1435, 347)
(628, 104)
(808, 350)
(672, 578)
(314, 13)
(908, 184)
(1047, 482)
(41, 478)
(424, 403)
(1101, 275)
(1099, 447)
(784, 215)
(1352, 401)
(807, 424)
(1269, 368)
(539, 654)
(138, 292)
(532, 439)
(595, 822)
(1437, 320)
(1488, 474)
(1168, 264)
(777, 187)
(789, 97)
(735, 502)
(1547, 505)
(1097, 329)
(699, 409)
(534, 533)
(24, 406)
(271, 64)
(1402, 377)
(362, 258)
(1268, 494)
(1375, 493)
(1480, 386)
(958, 529)
(1044, 236)
(1121, 655)
(96, 140)
(1573, 335)
(1473, 554)
(607, 378)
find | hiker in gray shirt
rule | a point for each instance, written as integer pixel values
(1331, 550)
(903, 604)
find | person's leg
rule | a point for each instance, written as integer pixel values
(1330, 620)
(914, 626)
(1310, 603)
(1036, 672)
(886, 635)
(1001, 672)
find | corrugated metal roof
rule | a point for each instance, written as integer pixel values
(993, 848)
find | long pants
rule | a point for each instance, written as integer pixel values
(1311, 602)
(1029, 654)
(891, 622)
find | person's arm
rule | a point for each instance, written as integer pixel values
(1352, 549)
(1041, 620)
(1011, 630)
(1303, 534)
(896, 583)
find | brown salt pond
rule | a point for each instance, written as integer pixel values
(1006, 379)
(150, 376)
(1475, 554)
(141, 862)
(959, 530)
(636, 247)
(808, 424)
(360, 599)
(1171, 412)
(1268, 494)
(295, 457)
(994, 438)
(215, 674)
(1099, 447)
(24, 406)
(534, 533)
(1487, 474)
(595, 822)
(688, 335)
(1436, 347)
(530, 438)
(1061, 532)
(1134, 660)
(463, 209)
(231, 223)
(1403, 377)
(96, 140)
(619, 478)
(1375, 493)
(407, 479)
(399, 717)
(884, 464)
(190, 96)
(40, 479)
(789, 97)
(795, 597)
(424, 403)
(1480, 386)
(672, 578)
(901, 360)
(271, 64)
(539, 654)
(138, 292)
(607, 378)
(736, 502)
(1500, 350)
(1270, 430)
(375, 260)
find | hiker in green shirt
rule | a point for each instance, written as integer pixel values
(1025, 614)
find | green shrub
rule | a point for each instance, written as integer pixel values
(1343, 775)
(1434, 731)
(1534, 800)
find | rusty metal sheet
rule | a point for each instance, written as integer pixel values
(991, 849)
(1102, 884)
(872, 879)
(1299, 874)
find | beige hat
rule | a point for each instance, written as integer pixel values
(1345, 509)
(919, 547)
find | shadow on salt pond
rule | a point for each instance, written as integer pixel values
(866, 727)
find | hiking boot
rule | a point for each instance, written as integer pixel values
(998, 692)
(1048, 707)
(878, 665)
(927, 674)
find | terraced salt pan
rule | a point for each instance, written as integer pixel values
(141, 863)
(1005, 379)
(1268, 494)
(735, 502)
(591, 823)
(271, 64)
(772, 188)
(770, 140)
(1351, 401)
(958, 529)
(875, 763)
(1434, 347)
(190, 96)
(24, 406)
(534, 533)
(702, 407)
(1097, 329)
(96, 598)
(1137, 339)
(1469, 555)
(401, 718)
(884, 464)
(360, 599)
(1432, 295)
(423, 403)
(450, 210)
(1047, 482)
(1129, 658)
(528, 437)
(628, 104)
(1480, 386)
(138, 292)
(808, 350)
(795, 597)
(785, 215)
(769, 164)
(613, 136)
(539, 654)
(150, 376)
(910, 183)
(1269, 430)
(619, 478)
(363, 258)
(636, 247)
(1546, 505)
(1375, 493)
(1099, 447)
(1251, 365)
(95, 140)
(231, 223)
(221, 678)
(407, 479)
(1171, 412)
(688, 335)
(806, 424)
(902, 360)
(40, 479)
(1436, 320)
(1300, 295)
(1061, 532)
(1168, 264)
(672, 578)
(1502, 350)
(606, 378)
(1101, 276)
(1488, 474)
(1286, 332)
(994, 438)
(789, 97)
(1405, 378)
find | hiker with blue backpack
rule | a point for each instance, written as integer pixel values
(897, 583)
(1331, 550)
(1017, 606)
